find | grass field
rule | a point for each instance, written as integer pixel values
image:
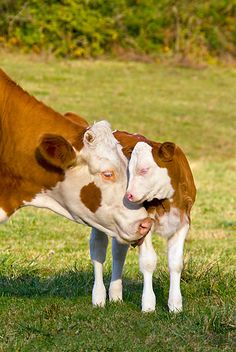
(46, 275)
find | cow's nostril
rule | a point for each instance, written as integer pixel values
(129, 196)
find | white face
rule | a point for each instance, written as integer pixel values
(146, 179)
(93, 192)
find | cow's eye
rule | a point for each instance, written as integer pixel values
(108, 175)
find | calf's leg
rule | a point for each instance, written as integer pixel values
(98, 248)
(119, 252)
(147, 265)
(175, 263)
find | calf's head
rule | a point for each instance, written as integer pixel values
(148, 172)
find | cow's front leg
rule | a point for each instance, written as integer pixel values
(98, 248)
(119, 252)
(147, 265)
(175, 263)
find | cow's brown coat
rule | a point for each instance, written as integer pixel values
(23, 122)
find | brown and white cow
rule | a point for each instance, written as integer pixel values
(58, 162)
(160, 176)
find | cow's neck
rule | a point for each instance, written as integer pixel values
(23, 120)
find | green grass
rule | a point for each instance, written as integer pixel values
(46, 275)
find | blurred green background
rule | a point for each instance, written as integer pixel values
(189, 31)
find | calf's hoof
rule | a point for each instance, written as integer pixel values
(175, 306)
(99, 296)
(115, 291)
(149, 303)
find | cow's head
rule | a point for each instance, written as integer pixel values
(93, 190)
(148, 172)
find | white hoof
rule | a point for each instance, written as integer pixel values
(99, 296)
(175, 306)
(115, 291)
(149, 303)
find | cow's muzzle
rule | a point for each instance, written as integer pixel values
(144, 228)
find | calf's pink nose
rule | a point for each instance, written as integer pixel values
(145, 226)
(130, 196)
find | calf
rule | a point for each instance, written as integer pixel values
(159, 176)
(52, 161)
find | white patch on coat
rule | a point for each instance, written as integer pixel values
(112, 217)
(169, 223)
(3, 216)
(147, 180)
(43, 200)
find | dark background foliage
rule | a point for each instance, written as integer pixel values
(202, 29)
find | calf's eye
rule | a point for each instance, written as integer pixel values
(143, 171)
(108, 175)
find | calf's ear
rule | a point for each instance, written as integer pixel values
(127, 150)
(55, 151)
(166, 151)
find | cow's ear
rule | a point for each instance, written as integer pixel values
(166, 151)
(56, 151)
(89, 137)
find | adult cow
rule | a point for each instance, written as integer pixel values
(52, 161)
(160, 176)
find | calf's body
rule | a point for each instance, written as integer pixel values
(159, 176)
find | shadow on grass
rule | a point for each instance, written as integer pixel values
(72, 284)
(132, 292)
